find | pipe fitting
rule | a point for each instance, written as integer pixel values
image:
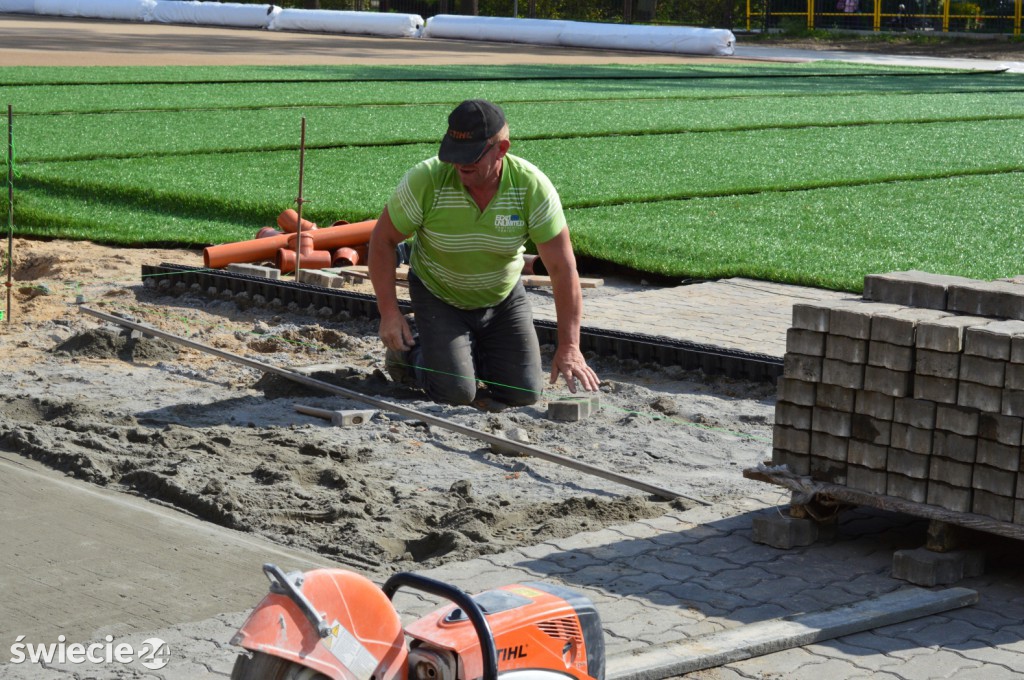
(289, 220)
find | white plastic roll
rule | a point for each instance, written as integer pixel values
(354, 23)
(674, 39)
(214, 14)
(123, 10)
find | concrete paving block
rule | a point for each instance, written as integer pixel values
(991, 505)
(802, 367)
(812, 316)
(900, 327)
(850, 350)
(993, 340)
(827, 470)
(843, 374)
(995, 481)
(946, 335)
(997, 455)
(829, 421)
(866, 479)
(796, 391)
(1018, 511)
(315, 278)
(782, 531)
(981, 397)
(791, 439)
(913, 439)
(984, 298)
(1017, 349)
(886, 355)
(866, 455)
(853, 318)
(937, 364)
(907, 488)
(914, 412)
(800, 341)
(955, 446)
(924, 567)
(951, 472)
(957, 419)
(939, 390)
(255, 270)
(572, 409)
(887, 381)
(871, 430)
(907, 463)
(1013, 403)
(983, 371)
(875, 404)
(790, 415)
(910, 288)
(955, 498)
(1014, 376)
(999, 428)
(835, 397)
(798, 463)
(829, 446)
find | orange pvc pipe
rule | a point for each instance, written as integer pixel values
(289, 219)
(267, 232)
(257, 250)
(344, 257)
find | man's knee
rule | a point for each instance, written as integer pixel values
(454, 392)
(517, 397)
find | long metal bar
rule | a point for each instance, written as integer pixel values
(10, 205)
(661, 492)
(299, 201)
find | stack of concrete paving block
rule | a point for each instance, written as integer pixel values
(914, 391)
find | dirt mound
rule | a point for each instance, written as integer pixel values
(104, 343)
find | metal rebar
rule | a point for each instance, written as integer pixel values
(519, 447)
(10, 205)
(299, 201)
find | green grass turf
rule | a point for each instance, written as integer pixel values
(789, 151)
(138, 134)
(49, 75)
(190, 96)
(353, 183)
(828, 238)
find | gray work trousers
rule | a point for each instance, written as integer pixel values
(497, 345)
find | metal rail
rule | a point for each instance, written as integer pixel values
(526, 449)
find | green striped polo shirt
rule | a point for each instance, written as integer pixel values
(467, 257)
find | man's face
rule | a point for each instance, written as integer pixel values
(484, 170)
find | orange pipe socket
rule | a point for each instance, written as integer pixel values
(289, 220)
(259, 250)
(311, 259)
(344, 257)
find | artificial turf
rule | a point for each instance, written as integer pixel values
(860, 148)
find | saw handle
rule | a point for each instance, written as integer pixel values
(462, 600)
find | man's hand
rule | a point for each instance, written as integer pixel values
(395, 333)
(570, 364)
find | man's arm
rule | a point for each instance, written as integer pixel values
(561, 265)
(394, 330)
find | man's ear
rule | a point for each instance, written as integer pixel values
(503, 147)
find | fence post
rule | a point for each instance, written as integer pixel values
(1016, 17)
(945, 16)
(810, 15)
(877, 20)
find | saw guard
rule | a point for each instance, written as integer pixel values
(366, 637)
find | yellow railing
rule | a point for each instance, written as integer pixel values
(879, 20)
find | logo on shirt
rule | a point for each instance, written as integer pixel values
(509, 221)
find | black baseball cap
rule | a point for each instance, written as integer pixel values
(470, 125)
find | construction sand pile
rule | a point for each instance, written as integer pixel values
(223, 442)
